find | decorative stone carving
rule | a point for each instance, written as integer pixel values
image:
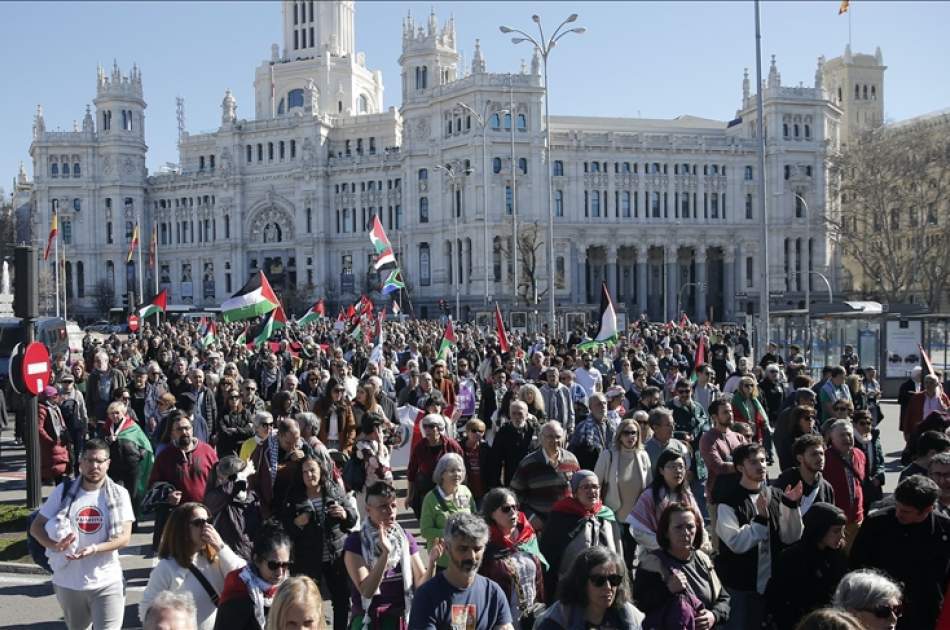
(107, 165)
(271, 224)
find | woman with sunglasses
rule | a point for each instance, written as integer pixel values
(318, 517)
(249, 592)
(872, 597)
(478, 458)
(263, 424)
(747, 408)
(512, 557)
(577, 522)
(337, 423)
(594, 595)
(424, 457)
(234, 425)
(624, 471)
(676, 585)
(669, 485)
(192, 559)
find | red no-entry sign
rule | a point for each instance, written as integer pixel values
(133, 323)
(35, 368)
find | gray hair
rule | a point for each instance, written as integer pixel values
(434, 418)
(171, 600)
(942, 459)
(550, 425)
(865, 589)
(261, 417)
(442, 465)
(841, 423)
(467, 526)
(308, 421)
(657, 415)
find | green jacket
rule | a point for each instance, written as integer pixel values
(436, 511)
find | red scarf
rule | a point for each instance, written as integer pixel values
(524, 529)
(571, 505)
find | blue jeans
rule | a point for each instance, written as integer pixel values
(746, 610)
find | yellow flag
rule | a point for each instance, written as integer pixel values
(844, 6)
(134, 244)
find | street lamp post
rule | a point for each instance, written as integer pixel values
(456, 245)
(483, 123)
(679, 295)
(544, 47)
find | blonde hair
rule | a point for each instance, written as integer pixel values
(618, 434)
(296, 590)
(116, 404)
(536, 407)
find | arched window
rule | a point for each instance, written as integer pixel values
(423, 209)
(873, 93)
(595, 203)
(808, 131)
(784, 130)
(748, 173)
(799, 206)
(522, 122)
(294, 99)
(559, 203)
(77, 204)
(76, 171)
(496, 259)
(54, 170)
(363, 105)
(423, 174)
(523, 165)
(507, 122)
(280, 107)
(496, 165)
(595, 167)
(558, 168)
(458, 125)
(796, 129)
(495, 121)
(857, 91)
(559, 273)
(80, 280)
(865, 90)
(425, 269)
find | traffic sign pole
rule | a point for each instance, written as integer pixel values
(25, 306)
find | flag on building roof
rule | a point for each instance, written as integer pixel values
(448, 340)
(255, 298)
(154, 305)
(53, 231)
(500, 328)
(315, 313)
(384, 251)
(134, 244)
(274, 322)
(700, 358)
(207, 331)
(393, 282)
(843, 8)
(607, 334)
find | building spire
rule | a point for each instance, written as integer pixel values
(478, 62)
(746, 91)
(775, 79)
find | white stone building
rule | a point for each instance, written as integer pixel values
(665, 210)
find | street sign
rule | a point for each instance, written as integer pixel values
(133, 323)
(35, 368)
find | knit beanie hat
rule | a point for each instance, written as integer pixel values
(578, 477)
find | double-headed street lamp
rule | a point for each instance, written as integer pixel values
(456, 248)
(483, 123)
(544, 46)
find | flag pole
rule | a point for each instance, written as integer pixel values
(158, 316)
(56, 266)
(65, 280)
(141, 271)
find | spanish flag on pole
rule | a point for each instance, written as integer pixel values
(152, 247)
(844, 7)
(53, 231)
(134, 244)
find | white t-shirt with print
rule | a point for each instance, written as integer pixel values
(89, 518)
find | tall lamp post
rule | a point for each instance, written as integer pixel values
(483, 123)
(456, 248)
(544, 47)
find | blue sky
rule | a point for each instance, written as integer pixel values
(655, 59)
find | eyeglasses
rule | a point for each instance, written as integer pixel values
(884, 611)
(200, 522)
(273, 565)
(508, 509)
(267, 424)
(600, 580)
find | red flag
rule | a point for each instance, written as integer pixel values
(500, 326)
(152, 247)
(321, 308)
(928, 367)
(53, 231)
(700, 353)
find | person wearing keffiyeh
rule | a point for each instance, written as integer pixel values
(249, 591)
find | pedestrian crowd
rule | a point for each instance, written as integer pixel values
(557, 484)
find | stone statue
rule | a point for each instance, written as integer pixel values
(314, 96)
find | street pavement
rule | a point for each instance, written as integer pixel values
(27, 600)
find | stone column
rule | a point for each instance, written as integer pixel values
(611, 271)
(642, 252)
(672, 281)
(729, 283)
(700, 256)
(576, 271)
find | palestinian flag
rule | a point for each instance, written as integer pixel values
(255, 298)
(376, 356)
(130, 431)
(500, 328)
(393, 282)
(242, 338)
(607, 335)
(684, 320)
(700, 358)
(207, 331)
(156, 305)
(448, 340)
(314, 313)
(384, 251)
(274, 322)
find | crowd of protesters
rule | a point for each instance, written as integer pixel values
(558, 484)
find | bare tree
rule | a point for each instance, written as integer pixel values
(529, 246)
(893, 222)
(105, 297)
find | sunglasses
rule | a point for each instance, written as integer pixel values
(234, 397)
(273, 565)
(602, 580)
(841, 409)
(630, 433)
(432, 426)
(508, 509)
(200, 522)
(885, 611)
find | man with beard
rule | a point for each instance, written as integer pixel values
(809, 451)
(138, 392)
(186, 464)
(557, 399)
(178, 382)
(593, 434)
(96, 519)
(588, 377)
(252, 402)
(101, 386)
(459, 597)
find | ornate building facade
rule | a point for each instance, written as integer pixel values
(665, 211)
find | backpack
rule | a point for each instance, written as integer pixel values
(37, 550)
(354, 474)
(69, 408)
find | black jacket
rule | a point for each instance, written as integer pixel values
(321, 531)
(804, 579)
(232, 430)
(916, 555)
(790, 477)
(651, 592)
(509, 448)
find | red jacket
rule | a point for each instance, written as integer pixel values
(54, 454)
(836, 474)
(423, 458)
